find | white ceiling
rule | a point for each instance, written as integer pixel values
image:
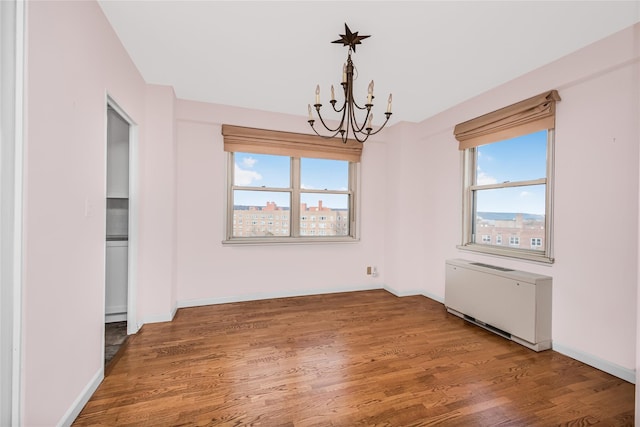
(431, 55)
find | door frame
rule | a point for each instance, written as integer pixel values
(132, 258)
(12, 142)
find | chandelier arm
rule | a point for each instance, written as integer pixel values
(366, 106)
(350, 101)
(355, 136)
(324, 124)
(324, 136)
(354, 122)
(353, 100)
(344, 104)
(383, 124)
(356, 131)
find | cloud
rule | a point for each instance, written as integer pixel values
(484, 179)
(245, 177)
(486, 157)
(248, 162)
(524, 194)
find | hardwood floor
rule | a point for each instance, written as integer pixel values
(351, 359)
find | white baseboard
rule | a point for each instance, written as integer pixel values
(433, 297)
(270, 295)
(414, 292)
(159, 318)
(72, 413)
(400, 293)
(115, 317)
(608, 367)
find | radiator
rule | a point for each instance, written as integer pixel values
(512, 303)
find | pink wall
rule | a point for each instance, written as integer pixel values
(157, 225)
(423, 178)
(210, 272)
(596, 209)
(74, 59)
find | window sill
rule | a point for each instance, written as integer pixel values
(518, 254)
(288, 240)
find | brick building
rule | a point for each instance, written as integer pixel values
(273, 220)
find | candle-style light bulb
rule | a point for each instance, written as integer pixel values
(310, 115)
(318, 94)
(370, 95)
(389, 104)
(333, 94)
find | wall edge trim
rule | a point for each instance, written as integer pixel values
(269, 295)
(159, 318)
(623, 373)
(76, 407)
(412, 293)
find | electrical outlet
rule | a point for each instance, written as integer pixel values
(368, 271)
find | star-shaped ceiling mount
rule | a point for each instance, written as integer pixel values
(350, 39)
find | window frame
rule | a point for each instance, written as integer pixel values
(295, 189)
(469, 166)
(530, 115)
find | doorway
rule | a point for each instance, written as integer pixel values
(117, 280)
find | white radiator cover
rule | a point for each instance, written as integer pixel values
(516, 303)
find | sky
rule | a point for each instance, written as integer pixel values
(257, 170)
(517, 159)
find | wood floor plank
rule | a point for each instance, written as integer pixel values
(350, 359)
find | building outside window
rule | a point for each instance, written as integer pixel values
(536, 242)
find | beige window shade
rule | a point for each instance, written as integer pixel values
(261, 141)
(531, 115)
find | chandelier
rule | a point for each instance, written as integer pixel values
(349, 108)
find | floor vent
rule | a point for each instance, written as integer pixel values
(495, 267)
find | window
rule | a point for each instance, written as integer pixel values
(302, 178)
(507, 176)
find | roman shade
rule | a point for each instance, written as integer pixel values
(531, 115)
(262, 141)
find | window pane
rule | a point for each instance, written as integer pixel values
(517, 159)
(512, 217)
(261, 213)
(324, 214)
(261, 170)
(321, 174)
